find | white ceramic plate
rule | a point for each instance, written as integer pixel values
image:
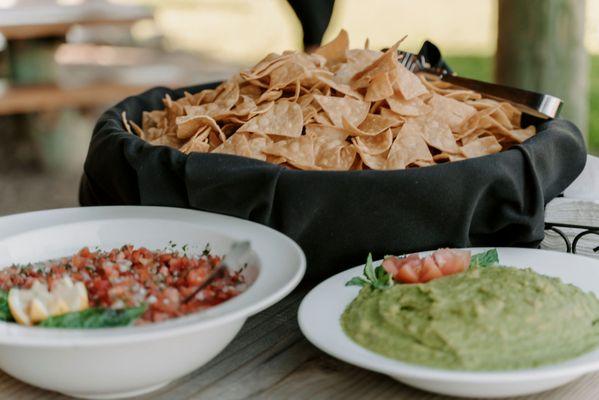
(321, 310)
(122, 362)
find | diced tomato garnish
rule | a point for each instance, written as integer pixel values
(413, 269)
(84, 252)
(452, 261)
(78, 261)
(430, 270)
(410, 270)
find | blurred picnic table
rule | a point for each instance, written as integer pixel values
(271, 359)
(30, 27)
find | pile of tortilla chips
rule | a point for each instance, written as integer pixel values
(335, 109)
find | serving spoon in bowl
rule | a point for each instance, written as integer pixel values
(236, 255)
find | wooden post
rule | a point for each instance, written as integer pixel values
(540, 46)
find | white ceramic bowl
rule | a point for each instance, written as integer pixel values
(122, 362)
(321, 309)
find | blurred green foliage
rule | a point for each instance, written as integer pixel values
(480, 67)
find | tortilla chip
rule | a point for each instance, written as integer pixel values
(309, 113)
(384, 64)
(242, 109)
(339, 86)
(228, 94)
(407, 83)
(434, 133)
(446, 157)
(481, 147)
(338, 108)
(372, 125)
(265, 67)
(297, 151)
(374, 145)
(284, 75)
(270, 95)
(378, 161)
(325, 133)
(199, 143)
(463, 95)
(239, 145)
(209, 109)
(251, 91)
(413, 107)
(283, 119)
(520, 135)
(334, 51)
(332, 151)
(379, 88)
(153, 119)
(319, 111)
(335, 157)
(385, 112)
(450, 111)
(187, 126)
(422, 163)
(321, 118)
(357, 60)
(408, 147)
(125, 123)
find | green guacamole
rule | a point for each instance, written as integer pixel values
(493, 318)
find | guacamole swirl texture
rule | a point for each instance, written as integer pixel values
(494, 318)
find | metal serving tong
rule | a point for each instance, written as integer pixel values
(429, 60)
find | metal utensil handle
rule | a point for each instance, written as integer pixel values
(537, 104)
(238, 251)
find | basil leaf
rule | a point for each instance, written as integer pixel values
(95, 318)
(383, 279)
(369, 269)
(357, 281)
(5, 314)
(486, 259)
(377, 277)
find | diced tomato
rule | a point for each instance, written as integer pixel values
(413, 269)
(390, 265)
(452, 261)
(393, 264)
(168, 301)
(176, 264)
(195, 277)
(430, 270)
(129, 276)
(410, 270)
(78, 261)
(84, 252)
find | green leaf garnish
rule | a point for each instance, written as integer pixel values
(95, 318)
(357, 281)
(369, 268)
(5, 314)
(485, 259)
(377, 277)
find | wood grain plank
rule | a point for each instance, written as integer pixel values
(36, 31)
(26, 99)
(572, 211)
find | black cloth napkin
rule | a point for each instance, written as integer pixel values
(337, 217)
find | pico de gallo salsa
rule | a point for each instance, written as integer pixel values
(123, 286)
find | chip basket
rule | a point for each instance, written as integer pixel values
(338, 217)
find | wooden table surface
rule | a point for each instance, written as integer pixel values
(39, 98)
(270, 359)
